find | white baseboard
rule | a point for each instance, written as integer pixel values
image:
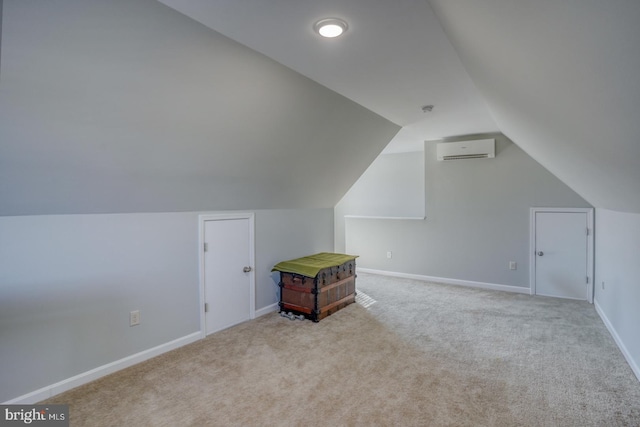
(268, 309)
(632, 363)
(468, 283)
(101, 371)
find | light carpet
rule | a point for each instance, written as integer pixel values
(421, 354)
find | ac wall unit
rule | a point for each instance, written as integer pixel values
(477, 149)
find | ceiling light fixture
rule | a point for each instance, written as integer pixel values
(330, 27)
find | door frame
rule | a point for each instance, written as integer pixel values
(202, 219)
(532, 245)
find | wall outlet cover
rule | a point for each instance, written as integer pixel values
(134, 318)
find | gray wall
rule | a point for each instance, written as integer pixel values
(283, 235)
(477, 220)
(393, 186)
(1, 37)
(129, 106)
(617, 251)
(68, 282)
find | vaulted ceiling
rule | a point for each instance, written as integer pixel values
(140, 106)
(561, 80)
(393, 59)
(129, 106)
(558, 77)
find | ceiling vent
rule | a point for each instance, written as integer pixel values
(477, 149)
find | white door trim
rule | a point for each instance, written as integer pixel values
(252, 275)
(532, 244)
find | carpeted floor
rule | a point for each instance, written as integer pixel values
(419, 354)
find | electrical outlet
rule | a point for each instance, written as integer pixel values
(389, 254)
(134, 318)
(513, 265)
(603, 285)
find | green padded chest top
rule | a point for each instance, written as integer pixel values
(310, 265)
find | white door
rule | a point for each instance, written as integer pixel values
(561, 254)
(228, 272)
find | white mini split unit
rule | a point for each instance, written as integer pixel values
(477, 149)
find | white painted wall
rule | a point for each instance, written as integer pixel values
(477, 220)
(617, 300)
(68, 283)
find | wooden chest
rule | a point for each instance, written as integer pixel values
(332, 288)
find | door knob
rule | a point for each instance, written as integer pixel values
(540, 253)
(246, 269)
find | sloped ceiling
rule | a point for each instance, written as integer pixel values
(562, 80)
(558, 77)
(393, 59)
(129, 106)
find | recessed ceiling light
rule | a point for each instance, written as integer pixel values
(330, 27)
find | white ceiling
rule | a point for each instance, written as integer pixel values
(393, 59)
(558, 77)
(561, 78)
(93, 87)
